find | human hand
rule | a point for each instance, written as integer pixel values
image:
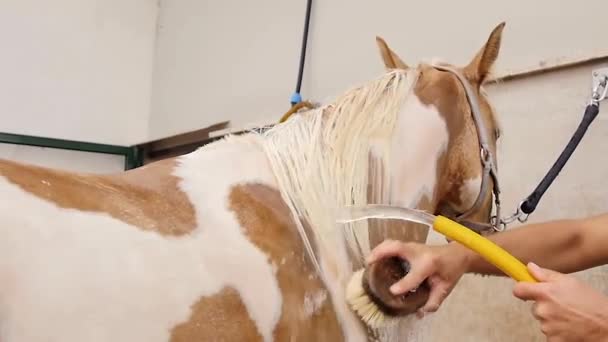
(442, 266)
(567, 309)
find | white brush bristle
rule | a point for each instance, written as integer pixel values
(365, 308)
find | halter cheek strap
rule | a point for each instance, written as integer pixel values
(488, 161)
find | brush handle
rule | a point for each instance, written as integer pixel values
(484, 247)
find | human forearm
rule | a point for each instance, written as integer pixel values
(564, 245)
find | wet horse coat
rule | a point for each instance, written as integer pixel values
(207, 246)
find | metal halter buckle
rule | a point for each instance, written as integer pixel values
(600, 86)
(519, 215)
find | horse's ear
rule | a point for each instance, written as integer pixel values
(391, 60)
(481, 65)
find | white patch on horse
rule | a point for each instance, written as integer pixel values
(421, 136)
(69, 275)
(415, 156)
(260, 293)
(314, 301)
(468, 193)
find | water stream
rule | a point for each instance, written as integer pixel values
(357, 213)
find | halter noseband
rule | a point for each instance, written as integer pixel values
(488, 161)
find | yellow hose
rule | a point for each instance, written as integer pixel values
(484, 247)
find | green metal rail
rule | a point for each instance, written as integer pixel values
(132, 154)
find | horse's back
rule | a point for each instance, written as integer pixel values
(148, 198)
(192, 249)
(89, 257)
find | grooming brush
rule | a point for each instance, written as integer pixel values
(368, 291)
(370, 298)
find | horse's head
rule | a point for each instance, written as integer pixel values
(443, 155)
(463, 189)
(414, 137)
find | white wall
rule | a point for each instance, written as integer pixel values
(76, 161)
(214, 63)
(77, 69)
(229, 60)
(99, 71)
(538, 34)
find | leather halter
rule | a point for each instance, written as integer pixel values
(488, 161)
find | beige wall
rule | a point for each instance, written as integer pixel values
(214, 62)
(124, 72)
(77, 69)
(224, 60)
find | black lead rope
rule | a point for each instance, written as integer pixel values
(296, 97)
(530, 203)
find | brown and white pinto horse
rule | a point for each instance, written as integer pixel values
(234, 242)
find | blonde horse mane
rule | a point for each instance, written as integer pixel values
(321, 160)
